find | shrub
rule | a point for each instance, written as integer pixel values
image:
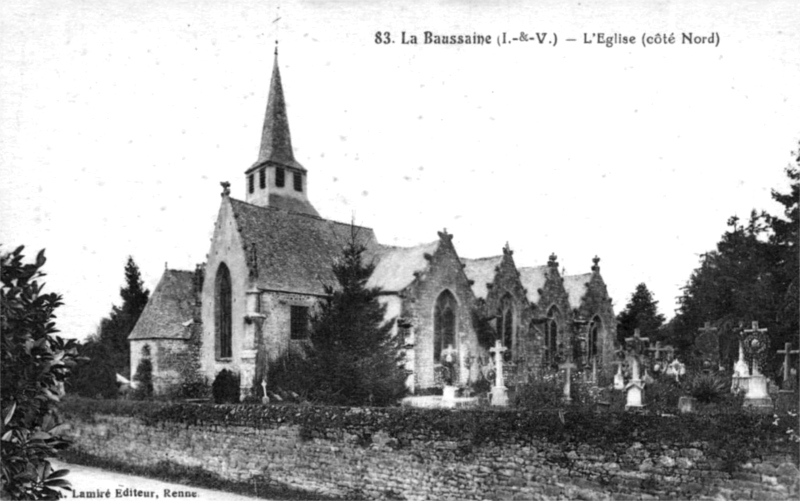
(708, 388)
(144, 378)
(225, 388)
(542, 393)
(662, 395)
(35, 364)
(197, 388)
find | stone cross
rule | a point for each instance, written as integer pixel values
(498, 350)
(264, 386)
(568, 366)
(707, 343)
(637, 341)
(706, 328)
(657, 349)
(787, 352)
(754, 329)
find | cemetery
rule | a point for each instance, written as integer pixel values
(659, 429)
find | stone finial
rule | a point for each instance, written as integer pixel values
(507, 250)
(596, 266)
(226, 188)
(552, 261)
(445, 236)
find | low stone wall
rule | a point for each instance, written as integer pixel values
(353, 463)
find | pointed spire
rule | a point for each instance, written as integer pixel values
(276, 142)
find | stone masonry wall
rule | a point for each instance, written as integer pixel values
(354, 463)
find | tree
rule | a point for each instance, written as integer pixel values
(752, 275)
(354, 357)
(144, 375)
(108, 352)
(35, 364)
(640, 313)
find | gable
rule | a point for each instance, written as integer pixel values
(481, 271)
(533, 278)
(170, 311)
(395, 266)
(576, 287)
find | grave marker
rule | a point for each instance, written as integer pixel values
(707, 343)
(499, 391)
(788, 382)
(756, 344)
(568, 366)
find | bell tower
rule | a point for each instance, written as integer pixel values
(276, 179)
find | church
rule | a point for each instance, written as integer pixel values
(271, 259)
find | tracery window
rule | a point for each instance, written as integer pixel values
(222, 312)
(444, 323)
(551, 336)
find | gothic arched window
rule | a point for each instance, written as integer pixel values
(444, 323)
(506, 328)
(551, 336)
(222, 312)
(595, 327)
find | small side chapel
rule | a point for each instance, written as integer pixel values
(270, 262)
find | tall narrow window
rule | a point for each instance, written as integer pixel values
(262, 178)
(444, 324)
(298, 181)
(506, 327)
(251, 183)
(280, 177)
(222, 312)
(594, 338)
(299, 322)
(551, 337)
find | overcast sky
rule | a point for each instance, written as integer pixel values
(119, 119)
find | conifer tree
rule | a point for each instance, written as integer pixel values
(355, 357)
(640, 313)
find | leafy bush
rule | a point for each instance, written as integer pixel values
(225, 388)
(541, 393)
(662, 395)
(709, 387)
(196, 388)
(35, 365)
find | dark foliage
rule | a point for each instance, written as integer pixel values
(144, 376)
(752, 275)
(641, 313)
(709, 388)
(353, 357)
(225, 388)
(35, 365)
(109, 351)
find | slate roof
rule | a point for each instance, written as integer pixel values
(276, 142)
(575, 285)
(170, 310)
(292, 204)
(481, 271)
(294, 252)
(396, 265)
(533, 279)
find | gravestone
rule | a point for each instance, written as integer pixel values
(265, 398)
(676, 369)
(707, 346)
(756, 345)
(619, 379)
(789, 382)
(568, 366)
(741, 372)
(635, 387)
(499, 390)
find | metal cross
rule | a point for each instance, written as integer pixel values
(787, 352)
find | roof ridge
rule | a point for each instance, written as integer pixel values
(312, 216)
(482, 258)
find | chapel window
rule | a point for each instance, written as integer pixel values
(506, 327)
(299, 322)
(222, 312)
(551, 337)
(262, 178)
(280, 177)
(298, 181)
(251, 183)
(594, 336)
(444, 324)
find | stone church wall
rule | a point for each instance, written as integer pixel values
(226, 248)
(444, 273)
(361, 453)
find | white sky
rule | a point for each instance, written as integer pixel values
(119, 119)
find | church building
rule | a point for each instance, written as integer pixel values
(270, 262)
